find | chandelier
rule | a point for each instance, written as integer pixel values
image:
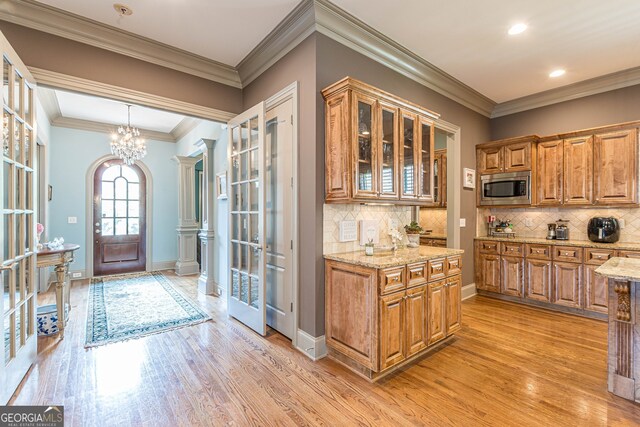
(126, 142)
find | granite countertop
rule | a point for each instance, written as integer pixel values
(626, 269)
(584, 243)
(433, 236)
(385, 259)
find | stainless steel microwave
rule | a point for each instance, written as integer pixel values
(512, 188)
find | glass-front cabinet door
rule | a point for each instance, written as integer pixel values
(408, 160)
(388, 151)
(425, 160)
(365, 185)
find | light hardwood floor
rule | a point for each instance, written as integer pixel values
(510, 365)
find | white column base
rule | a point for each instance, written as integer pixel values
(206, 282)
(187, 243)
(207, 286)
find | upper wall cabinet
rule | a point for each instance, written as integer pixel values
(615, 169)
(509, 155)
(378, 147)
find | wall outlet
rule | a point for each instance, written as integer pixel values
(463, 222)
(76, 275)
(621, 223)
(528, 222)
(72, 219)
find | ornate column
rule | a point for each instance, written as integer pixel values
(187, 224)
(206, 282)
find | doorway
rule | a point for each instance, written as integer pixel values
(119, 214)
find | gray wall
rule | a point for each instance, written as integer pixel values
(53, 53)
(616, 106)
(336, 61)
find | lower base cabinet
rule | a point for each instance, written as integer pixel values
(557, 276)
(412, 312)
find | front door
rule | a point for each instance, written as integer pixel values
(279, 217)
(18, 346)
(246, 299)
(119, 212)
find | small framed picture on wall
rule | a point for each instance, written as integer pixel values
(469, 178)
(221, 185)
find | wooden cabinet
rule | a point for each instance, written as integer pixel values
(615, 172)
(440, 179)
(392, 319)
(549, 173)
(488, 272)
(377, 146)
(517, 157)
(416, 327)
(538, 283)
(436, 325)
(378, 318)
(453, 304)
(555, 276)
(512, 276)
(567, 284)
(436, 242)
(510, 155)
(578, 171)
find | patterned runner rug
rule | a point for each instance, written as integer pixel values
(134, 305)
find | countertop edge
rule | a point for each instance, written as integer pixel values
(581, 243)
(402, 258)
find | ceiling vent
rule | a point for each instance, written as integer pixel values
(123, 9)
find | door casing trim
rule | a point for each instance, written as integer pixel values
(290, 92)
(89, 194)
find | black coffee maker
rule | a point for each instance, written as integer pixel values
(603, 230)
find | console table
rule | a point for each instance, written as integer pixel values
(624, 326)
(60, 259)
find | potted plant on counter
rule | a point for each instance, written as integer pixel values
(413, 231)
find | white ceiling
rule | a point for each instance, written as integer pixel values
(466, 39)
(101, 110)
(222, 30)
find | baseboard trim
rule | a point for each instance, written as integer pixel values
(468, 291)
(314, 348)
(163, 265)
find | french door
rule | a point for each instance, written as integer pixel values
(17, 223)
(246, 293)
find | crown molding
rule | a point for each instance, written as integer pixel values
(63, 81)
(185, 126)
(106, 128)
(290, 32)
(606, 83)
(50, 104)
(38, 16)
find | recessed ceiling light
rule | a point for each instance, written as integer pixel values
(517, 29)
(557, 73)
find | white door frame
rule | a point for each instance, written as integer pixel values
(290, 92)
(89, 194)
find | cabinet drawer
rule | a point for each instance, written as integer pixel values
(454, 265)
(391, 280)
(538, 251)
(488, 247)
(597, 256)
(436, 269)
(628, 254)
(512, 249)
(567, 254)
(416, 274)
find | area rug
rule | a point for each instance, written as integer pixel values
(131, 306)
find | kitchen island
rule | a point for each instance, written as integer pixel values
(387, 310)
(623, 275)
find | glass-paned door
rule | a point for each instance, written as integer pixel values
(408, 161)
(246, 296)
(365, 128)
(17, 224)
(425, 159)
(388, 152)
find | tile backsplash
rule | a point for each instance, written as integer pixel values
(578, 220)
(434, 219)
(334, 213)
